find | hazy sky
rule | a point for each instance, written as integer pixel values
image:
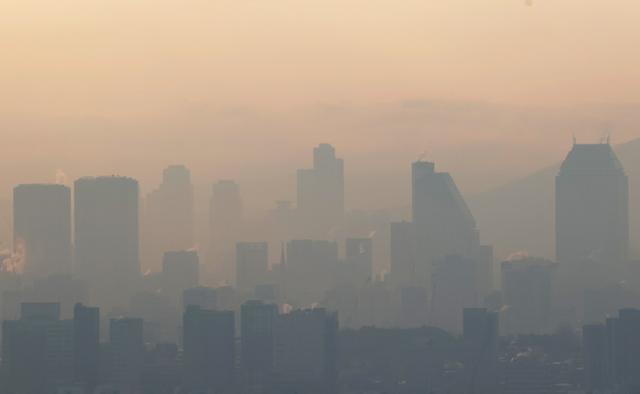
(245, 88)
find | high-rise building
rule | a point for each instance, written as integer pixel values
(320, 194)
(168, 220)
(201, 296)
(310, 270)
(615, 351)
(257, 320)
(40, 311)
(252, 265)
(42, 228)
(611, 353)
(484, 270)
(592, 206)
(63, 289)
(281, 225)
(305, 358)
(126, 351)
(180, 271)
(480, 333)
(225, 224)
(444, 224)
(627, 345)
(527, 287)
(37, 350)
(106, 236)
(359, 259)
(453, 288)
(594, 348)
(404, 268)
(414, 307)
(86, 346)
(209, 349)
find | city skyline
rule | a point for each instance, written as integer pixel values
(320, 197)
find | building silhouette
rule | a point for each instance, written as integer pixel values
(209, 349)
(527, 287)
(592, 206)
(126, 353)
(594, 345)
(359, 259)
(611, 353)
(168, 220)
(480, 334)
(414, 307)
(310, 270)
(320, 194)
(106, 237)
(252, 265)
(443, 223)
(86, 346)
(37, 350)
(180, 271)
(42, 228)
(201, 296)
(453, 288)
(225, 224)
(404, 268)
(257, 322)
(305, 358)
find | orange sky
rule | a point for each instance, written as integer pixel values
(103, 57)
(87, 85)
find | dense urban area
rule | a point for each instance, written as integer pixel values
(316, 298)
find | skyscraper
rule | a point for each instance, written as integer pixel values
(621, 359)
(106, 236)
(126, 348)
(310, 270)
(225, 223)
(321, 194)
(359, 258)
(86, 345)
(37, 350)
(594, 348)
(453, 288)
(180, 271)
(480, 333)
(592, 206)
(405, 271)
(42, 228)
(305, 356)
(527, 287)
(257, 321)
(252, 264)
(444, 224)
(203, 297)
(209, 355)
(168, 221)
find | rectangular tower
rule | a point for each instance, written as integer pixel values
(592, 206)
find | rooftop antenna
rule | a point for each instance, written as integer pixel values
(283, 258)
(574, 139)
(422, 155)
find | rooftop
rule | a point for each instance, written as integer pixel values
(591, 159)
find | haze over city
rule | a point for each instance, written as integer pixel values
(319, 197)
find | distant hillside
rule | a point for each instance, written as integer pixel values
(519, 216)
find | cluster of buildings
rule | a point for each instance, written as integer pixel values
(271, 352)
(231, 317)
